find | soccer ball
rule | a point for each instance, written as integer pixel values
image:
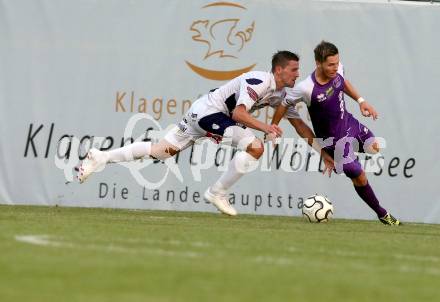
(317, 208)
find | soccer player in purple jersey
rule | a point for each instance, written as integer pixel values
(342, 134)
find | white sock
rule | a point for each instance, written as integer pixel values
(242, 163)
(130, 152)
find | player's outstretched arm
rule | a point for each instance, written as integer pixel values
(366, 109)
(306, 133)
(279, 113)
(243, 117)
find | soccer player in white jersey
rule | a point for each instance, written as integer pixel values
(222, 113)
(323, 92)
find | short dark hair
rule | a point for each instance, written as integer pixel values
(282, 58)
(323, 50)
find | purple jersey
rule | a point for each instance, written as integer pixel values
(325, 103)
(330, 119)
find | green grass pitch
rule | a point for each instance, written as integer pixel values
(79, 254)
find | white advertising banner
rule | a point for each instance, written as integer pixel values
(79, 73)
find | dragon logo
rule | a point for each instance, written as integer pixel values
(211, 34)
(223, 39)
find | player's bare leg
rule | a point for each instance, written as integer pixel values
(372, 148)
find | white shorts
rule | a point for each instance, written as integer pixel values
(203, 121)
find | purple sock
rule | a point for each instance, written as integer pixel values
(367, 194)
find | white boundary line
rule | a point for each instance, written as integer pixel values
(405, 267)
(46, 240)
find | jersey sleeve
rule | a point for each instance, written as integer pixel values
(275, 101)
(292, 113)
(252, 88)
(293, 96)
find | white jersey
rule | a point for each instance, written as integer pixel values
(254, 90)
(210, 115)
